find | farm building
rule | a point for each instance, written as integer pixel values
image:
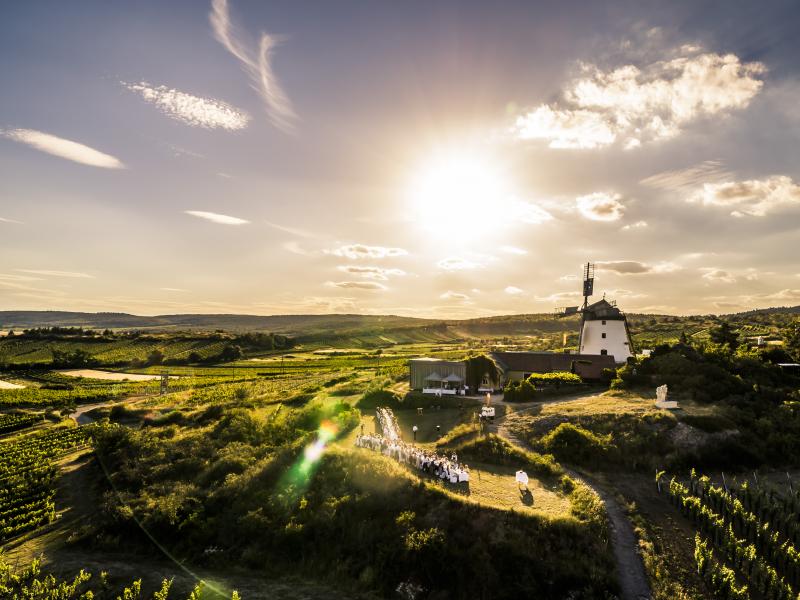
(517, 366)
(434, 376)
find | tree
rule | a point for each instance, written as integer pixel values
(792, 340)
(230, 353)
(724, 334)
(156, 357)
(684, 339)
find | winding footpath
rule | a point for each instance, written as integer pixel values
(630, 568)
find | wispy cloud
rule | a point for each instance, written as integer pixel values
(217, 218)
(633, 267)
(709, 171)
(378, 273)
(257, 65)
(49, 273)
(634, 105)
(63, 148)
(458, 264)
(14, 221)
(600, 206)
(754, 197)
(513, 290)
(636, 225)
(451, 295)
(172, 289)
(718, 276)
(358, 251)
(358, 285)
(292, 230)
(196, 111)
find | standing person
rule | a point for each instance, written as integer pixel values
(415, 429)
(438, 430)
(362, 429)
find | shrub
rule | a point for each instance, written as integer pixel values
(376, 398)
(496, 450)
(556, 378)
(519, 391)
(575, 444)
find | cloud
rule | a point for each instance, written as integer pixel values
(9, 277)
(257, 65)
(357, 251)
(292, 230)
(632, 267)
(358, 285)
(635, 105)
(624, 267)
(600, 206)
(637, 225)
(451, 295)
(513, 250)
(378, 273)
(690, 177)
(216, 218)
(3, 220)
(171, 289)
(48, 273)
(519, 211)
(512, 290)
(718, 276)
(784, 295)
(62, 148)
(191, 110)
(457, 264)
(295, 248)
(754, 197)
(558, 297)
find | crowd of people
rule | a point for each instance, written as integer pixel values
(389, 444)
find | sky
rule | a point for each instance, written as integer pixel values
(430, 159)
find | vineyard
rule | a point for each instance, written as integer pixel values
(30, 583)
(16, 422)
(747, 537)
(28, 476)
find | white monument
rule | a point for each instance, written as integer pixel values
(661, 398)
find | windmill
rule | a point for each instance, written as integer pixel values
(604, 327)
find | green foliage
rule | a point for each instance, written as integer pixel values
(28, 476)
(575, 444)
(380, 397)
(556, 378)
(476, 368)
(724, 334)
(496, 450)
(519, 391)
(30, 583)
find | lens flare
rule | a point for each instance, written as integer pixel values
(314, 451)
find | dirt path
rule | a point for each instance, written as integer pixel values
(81, 417)
(630, 568)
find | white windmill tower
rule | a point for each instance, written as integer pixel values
(604, 328)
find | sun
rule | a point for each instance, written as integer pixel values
(460, 194)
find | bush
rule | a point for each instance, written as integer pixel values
(519, 391)
(573, 443)
(556, 378)
(376, 398)
(494, 449)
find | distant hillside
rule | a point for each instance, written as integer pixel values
(289, 324)
(377, 329)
